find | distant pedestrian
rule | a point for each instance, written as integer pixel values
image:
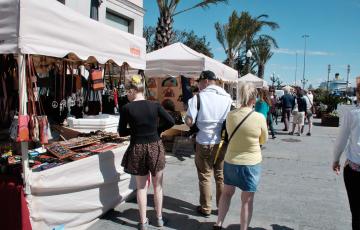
(299, 112)
(145, 155)
(287, 104)
(242, 166)
(348, 141)
(262, 106)
(309, 110)
(274, 108)
(214, 105)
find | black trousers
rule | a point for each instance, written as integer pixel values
(352, 184)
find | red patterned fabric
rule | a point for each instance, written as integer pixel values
(14, 213)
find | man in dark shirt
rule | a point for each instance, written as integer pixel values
(287, 103)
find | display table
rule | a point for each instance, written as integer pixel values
(77, 193)
(103, 122)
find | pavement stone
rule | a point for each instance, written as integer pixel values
(297, 190)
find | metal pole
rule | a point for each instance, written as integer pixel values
(23, 109)
(303, 81)
(328, 79)
(296, 61)
(347, 79)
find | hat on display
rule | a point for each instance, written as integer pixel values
(207, 75)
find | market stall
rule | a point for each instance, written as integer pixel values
(66, 190)
(251, 78)
(171, 74)
(171, 69)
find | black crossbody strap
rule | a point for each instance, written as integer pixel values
(238, 126)
(197, 106)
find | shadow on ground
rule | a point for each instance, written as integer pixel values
(178, 215)
(274, 227)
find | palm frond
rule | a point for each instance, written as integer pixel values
(202, 4)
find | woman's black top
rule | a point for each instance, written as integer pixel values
(143, 119)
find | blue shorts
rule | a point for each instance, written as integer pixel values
(245, 177)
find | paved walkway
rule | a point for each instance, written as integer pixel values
(297, 191)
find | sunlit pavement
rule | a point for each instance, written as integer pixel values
(297, 190)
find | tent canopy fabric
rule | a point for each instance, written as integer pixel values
(178, 59)
(49, 28)
(258, 82)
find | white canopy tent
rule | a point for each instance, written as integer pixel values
(178, 59)
(258, 82)
(49, 28)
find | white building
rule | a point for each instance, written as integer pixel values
(126, 15)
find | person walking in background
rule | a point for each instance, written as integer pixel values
(309, 109)
(247, 131)
(262, 106)
(273, 105)
(348, 142)
(287, 104)
(169, 106)
(214, 104)
(145, 154)
(299, 112)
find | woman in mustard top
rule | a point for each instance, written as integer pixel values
(242, 167)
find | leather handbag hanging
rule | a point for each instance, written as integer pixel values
(23, 120)
(32, 88)
(96, 79)
(44, 133)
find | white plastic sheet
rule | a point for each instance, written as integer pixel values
(77, 193)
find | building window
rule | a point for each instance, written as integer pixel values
(94, 9)
(62, 1)
(118, 21)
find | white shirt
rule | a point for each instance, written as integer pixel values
(348, 139)
(215, 104)
(309, 98)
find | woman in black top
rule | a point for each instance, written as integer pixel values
(140, 119)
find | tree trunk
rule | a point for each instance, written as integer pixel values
(164, 30)
(261, 70)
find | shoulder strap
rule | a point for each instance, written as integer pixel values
(238, 126)
(309, 100)
(197, 106)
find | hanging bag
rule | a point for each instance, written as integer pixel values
(42, 122)
(32, 88)
(96, 79)
(23, 120)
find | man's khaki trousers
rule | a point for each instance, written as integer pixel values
(206, 167)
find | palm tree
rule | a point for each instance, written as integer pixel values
(262, 54)
(250, 28)
(229, 37)
(167, 8)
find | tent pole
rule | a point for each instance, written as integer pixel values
(23, 109)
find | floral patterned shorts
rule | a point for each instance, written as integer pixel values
(140, 159)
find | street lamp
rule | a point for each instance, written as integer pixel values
(327, 83)
(347, 79)
(248, 56)
(296, 61)
(303, 80)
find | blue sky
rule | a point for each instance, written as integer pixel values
(333, 26)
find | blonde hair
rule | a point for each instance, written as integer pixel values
(136, 83)
(246, 93)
